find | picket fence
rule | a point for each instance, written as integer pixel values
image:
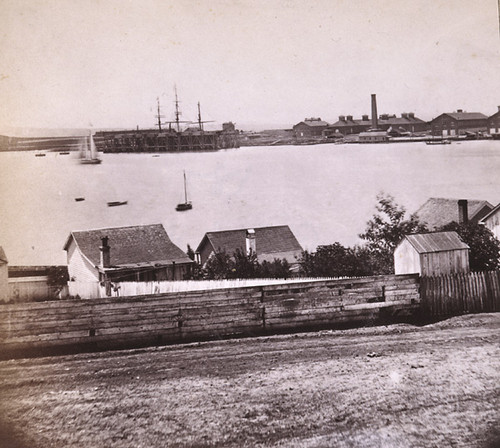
(96, 290)
(448, 295)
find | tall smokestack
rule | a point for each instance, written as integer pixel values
(463, 212)
(105, 253)
(374, 112)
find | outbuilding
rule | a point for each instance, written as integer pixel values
(4, 277)
(431, 254)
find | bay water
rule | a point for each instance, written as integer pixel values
(325, 193)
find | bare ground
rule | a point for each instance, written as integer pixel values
(393, 386)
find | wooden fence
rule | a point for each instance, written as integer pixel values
(35, 328)
(447, 295)
(32, 289)
(96, 290)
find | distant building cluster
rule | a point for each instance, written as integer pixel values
(379, 128)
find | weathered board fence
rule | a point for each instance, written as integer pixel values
(448, 295)
(119, 322)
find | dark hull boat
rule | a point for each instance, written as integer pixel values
(438, 142)
(116, 203)
(183, 207)
(186, 205)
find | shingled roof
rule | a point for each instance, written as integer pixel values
(3, 257)
(466, 115)
(436, 242)
(130, 246)
(270, 242)
(437, 212)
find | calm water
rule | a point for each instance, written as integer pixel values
(325, 193)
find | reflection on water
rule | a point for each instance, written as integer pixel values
(325, 193)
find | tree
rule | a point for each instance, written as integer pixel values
(385, 230)
(275, 269)
(190, 252)
(218, 266)
(484, 247)
(334, 260)
(245, 265)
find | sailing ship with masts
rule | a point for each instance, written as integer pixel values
(88, 151)
(169, 136)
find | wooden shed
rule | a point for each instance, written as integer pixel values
(4, 277)
(431, 254)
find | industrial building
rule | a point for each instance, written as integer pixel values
(454, 124)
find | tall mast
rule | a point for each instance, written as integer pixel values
(159, 115)
(177, 112)
(200, 123)
(185, 189)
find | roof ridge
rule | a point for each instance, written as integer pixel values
(116, 228)
(246, 228)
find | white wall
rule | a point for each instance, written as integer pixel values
(406, 259)
(79, 268)
(493, 223)
(4, 282)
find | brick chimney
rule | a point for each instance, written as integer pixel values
(463, 212)
(374, 112)
(105, 253)
(250, 241)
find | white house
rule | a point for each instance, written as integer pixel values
(431, 254)
(492, 221)
(120, 254)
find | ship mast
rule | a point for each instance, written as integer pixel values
(200, 123)
(177, 112)
(159, 115)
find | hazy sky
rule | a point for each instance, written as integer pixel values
(103, 62)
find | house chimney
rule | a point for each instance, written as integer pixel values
(365, 117)
(463, 212)
(374, 112)
(498, 108)
(349, 118)
(459, 111)
(341, 117)
(250, 240)
(105, 254)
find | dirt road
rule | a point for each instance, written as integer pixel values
(394, 386)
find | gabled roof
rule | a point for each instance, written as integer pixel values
(437, 212)
(490, 214)
(270, 242)
(313, 123)
(129, 246)
(3, 257)
(464, 116)
(436, 242)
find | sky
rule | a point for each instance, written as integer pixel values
(260, 64)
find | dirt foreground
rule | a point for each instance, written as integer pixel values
(394, 386)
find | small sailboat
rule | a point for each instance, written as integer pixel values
(88, 153)
(186, 205)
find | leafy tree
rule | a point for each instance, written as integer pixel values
(385, 230)
(335, 260)
(245, 265)
(484, 247)
(219, 266)
(190, 252)
(275, 269)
